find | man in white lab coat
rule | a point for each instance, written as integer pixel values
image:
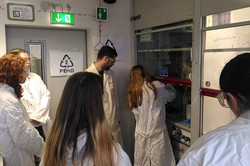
(105, 60)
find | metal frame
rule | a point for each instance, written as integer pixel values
(42, 43)
(196, 114)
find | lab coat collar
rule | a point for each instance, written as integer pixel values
(6, 86)
(246, 115)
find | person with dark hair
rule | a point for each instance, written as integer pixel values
(228, 145)
(79, 135)
(147, 99)
(105, 60)
(19, 140)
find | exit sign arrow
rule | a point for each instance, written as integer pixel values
(58, 19)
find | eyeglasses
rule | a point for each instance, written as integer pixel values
(112, 60)
(221, 98)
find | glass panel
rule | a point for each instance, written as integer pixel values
(236, 37)
(177, 63)
(233, 16)
(176, 38)
(36, 60)
(167, 52)
(36, 50)
(178, 106)
(214, 115)
(213, 64)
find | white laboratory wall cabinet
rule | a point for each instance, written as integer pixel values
(151, 13)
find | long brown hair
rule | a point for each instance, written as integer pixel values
(80, 108)
(11, 71)
(134, 96)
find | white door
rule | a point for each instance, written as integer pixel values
(53, 39)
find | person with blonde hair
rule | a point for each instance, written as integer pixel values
(19, 140)
(147, 99)
(36, 97)
(79, 134)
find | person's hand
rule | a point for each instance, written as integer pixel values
(35, 122)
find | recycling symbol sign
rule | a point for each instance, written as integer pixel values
(66, 62)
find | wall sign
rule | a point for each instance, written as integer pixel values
(65, 63)
(20, 12)
(164, 71)
(101, 14)
(62, 18)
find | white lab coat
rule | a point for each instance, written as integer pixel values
(19, 140)
(123, 159)
(36, 99)
(228, 145)
(110, 102)
(152, 143)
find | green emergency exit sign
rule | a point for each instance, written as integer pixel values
(101, 13)
(62, 18)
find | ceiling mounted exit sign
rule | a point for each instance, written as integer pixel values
(101, 13)
(62, 18)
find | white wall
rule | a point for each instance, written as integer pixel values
(118, 25)
(218, 6)
(161, 12)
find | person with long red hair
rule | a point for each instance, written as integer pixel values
(19, 140)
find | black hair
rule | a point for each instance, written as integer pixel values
(235, 78)
(106, 51)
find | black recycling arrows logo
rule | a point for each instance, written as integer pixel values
(66, 62)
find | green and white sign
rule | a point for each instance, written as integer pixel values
(20, 12)
(62, 18)
(101, 13)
